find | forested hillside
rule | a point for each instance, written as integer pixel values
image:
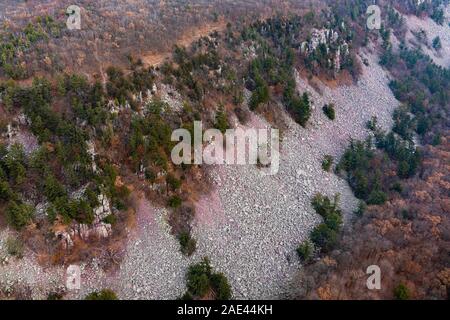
(402, 222)
(86, 176)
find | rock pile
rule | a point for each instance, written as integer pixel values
(336, 47)
(97, 229)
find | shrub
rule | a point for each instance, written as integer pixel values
(55, 296)
(172, 182)
(327, 162)
(220, 286)
(377, 197)
(188, 244)
(201, 279)
(5, 191)
(438, 15)
(15, 162)
(359, 212)
(372, 123)
(437, 139)
(105, 294)
(305, 251)
(111, 219)
(198, 278)
(333, 221)
(325, 235)
(19, 214)
(72, 209)
(187, 296)
(260, 95)
(407, 214)
(328, 110)
(423, 125)
(437, 45)
(324, 206)
(14, 247)
(222, 120)
(174, 202)
(150, 175)
(403, 123)
(366, 171)
(397, 186)
(300, 108)
(401, 292)
(53, 189)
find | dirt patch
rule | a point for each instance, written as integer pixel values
(209, 210)
(191, 35)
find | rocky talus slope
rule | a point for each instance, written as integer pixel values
(249, 225)
(259, 220)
